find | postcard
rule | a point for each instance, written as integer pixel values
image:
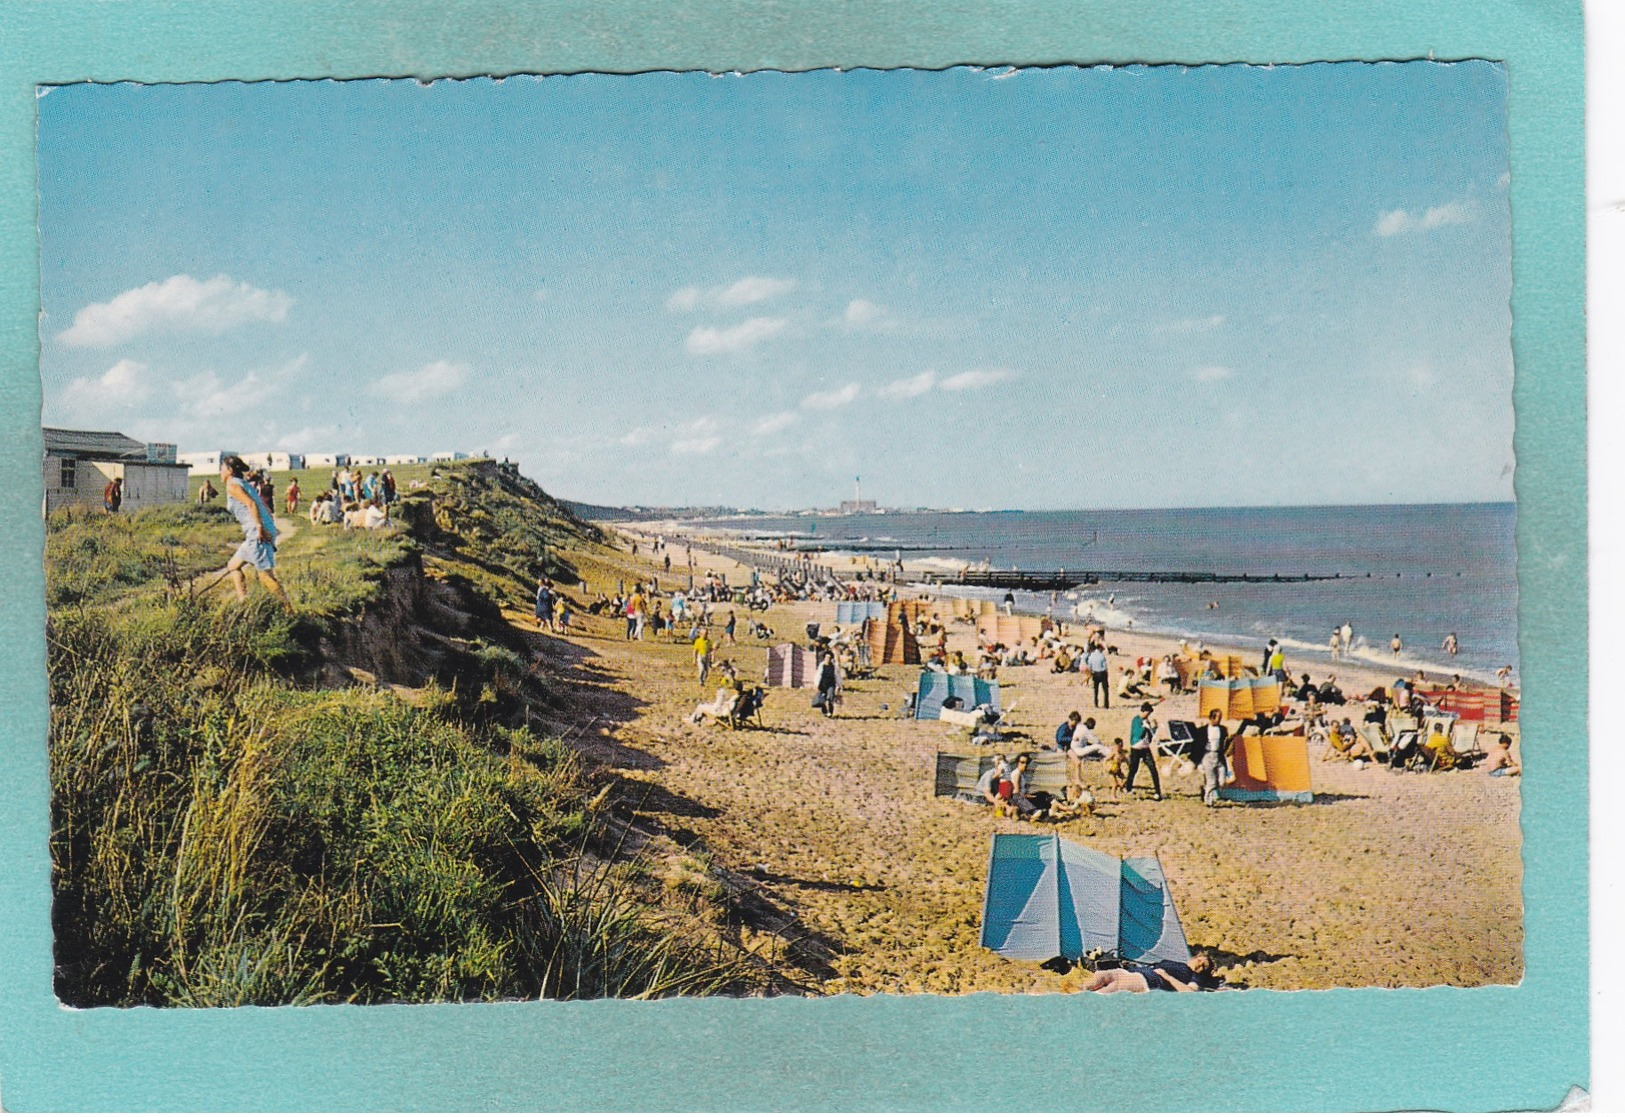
(604, 558)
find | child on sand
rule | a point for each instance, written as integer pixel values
(1499, 760)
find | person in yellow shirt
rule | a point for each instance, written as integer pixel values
(702, 654)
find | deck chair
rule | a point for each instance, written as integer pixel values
(748, 708)
(1180, 744)
(1406, 754)
(1376, 738)
(1433, 742)
(990, 731)
(1464, 743)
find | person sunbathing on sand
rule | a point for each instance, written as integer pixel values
(727, 698)
(1169, 977)
(1129, 685)
(1076, 803)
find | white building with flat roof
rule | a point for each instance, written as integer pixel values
(79, 465)
(274, 460)
(203, 462)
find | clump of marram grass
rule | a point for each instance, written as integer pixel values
(222, 835)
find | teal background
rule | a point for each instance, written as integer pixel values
(1495, 1048)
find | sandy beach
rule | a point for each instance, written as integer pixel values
(1387, 879)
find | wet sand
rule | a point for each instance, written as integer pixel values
(1386, 879)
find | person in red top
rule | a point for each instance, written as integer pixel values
(113, 495)
(293, 496)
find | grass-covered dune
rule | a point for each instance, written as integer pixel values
(342, 801)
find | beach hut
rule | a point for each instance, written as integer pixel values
(1269, 769)
(892, 640)
(936, 687)
(1050, 898)
(790, 665)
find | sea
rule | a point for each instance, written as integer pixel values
(1421, 571)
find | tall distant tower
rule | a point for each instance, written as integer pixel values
(857, 504)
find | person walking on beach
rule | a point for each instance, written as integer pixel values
(728, 629)
(702, 655)
(544, 603)
(258, 547)
(1277, 663)
(1396, 644)
(827, 685)
(1215, 765)
(1142, 734)
(1348, 638)
(1099, 677)
(1336, 643)
(1009, 603)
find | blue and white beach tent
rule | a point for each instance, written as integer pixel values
(938, 686)
(856, 612)
(1048, 898)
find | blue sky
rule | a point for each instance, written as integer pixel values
(1051, 288)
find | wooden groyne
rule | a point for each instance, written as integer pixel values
(1067, 579)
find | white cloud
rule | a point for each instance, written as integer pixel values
(180, 304)
(1391, 222)
(638, 436)
(123, 385)
(741, 292)
(309, 439)
(705, 341)
(910, 386)
(1396, 221)
(862, 312)
(437, 378)
(207, 396)
(754, 289)
(976, 378)
(772, 424)
(697, 437)
(830, 400)
(703, 444)
(1197, 325)
(1451, 213)
(1208, 374)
